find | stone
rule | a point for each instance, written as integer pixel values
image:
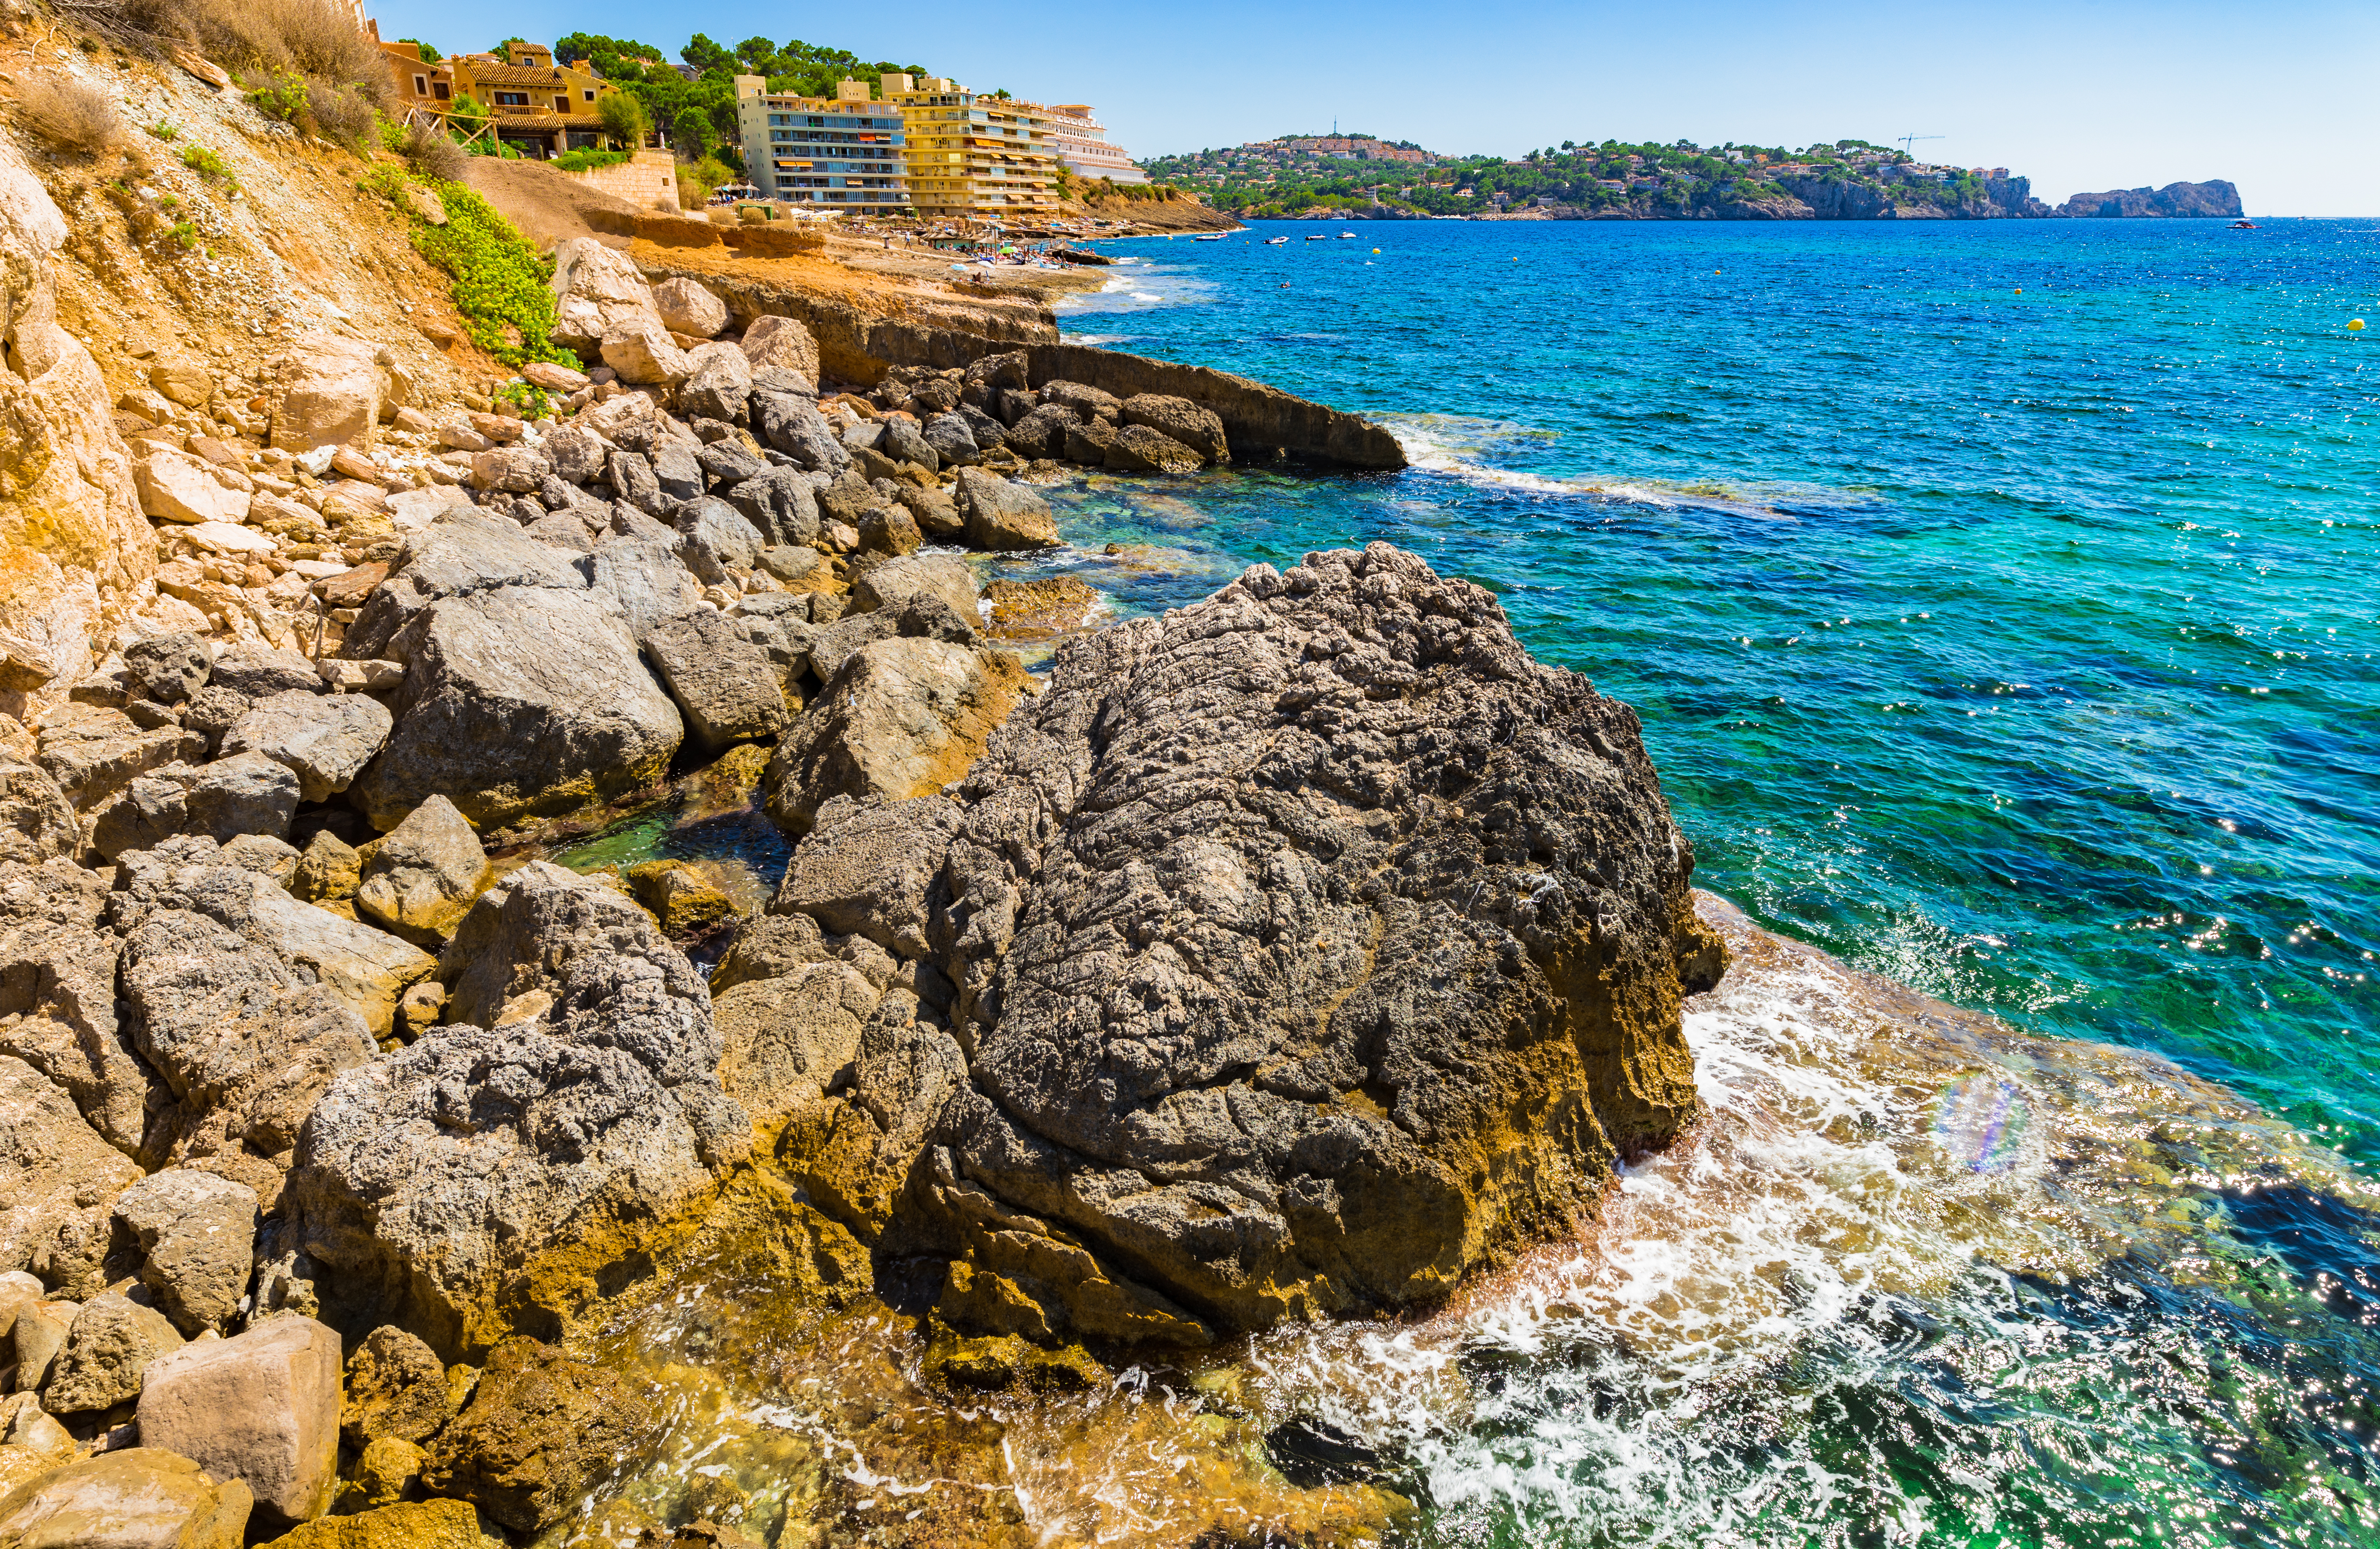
(642, 352)
(784, 1038)
(676, 470)
(411, 510)
(594, 287)
(330, 869)
(39, 1334)
(1089, 402)
(795, 567)
(1001, 514)
(641, 575)
(543, 1430)
(687, 308)
(793, 425)
(59, 1178)
(243, 794)
(552, 378)
(890, 529)
(324, 739)
(680, 897)
(900, 439)
(713, 538)
(489, 1174)
(421, 878)
(175, 487)
(140, 1497)
(401, 1525)
(182, 383)
(1038, 609)
(395, 1390)
(936, 514)
(197, 1236)
(576, 454)
(261, 1409)
(259, 670)
(996, 1361)
(874, 870)
(729, 690)
(521, 701)
(1088, 442)
(36, 820)
(386, 1472)
(901, 718)
(273, 859)
(514, 469)
(782, 342)
(728, 462)
(108, 1351)
(1476, 932)
(1138, 449)
(953, 440)
(92, 752)
(465, 553)
(1179, 420)
(718, 386)
(889, 584)
(1042, 432)
(327, 392)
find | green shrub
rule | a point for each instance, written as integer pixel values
(184, 234)
(278, 96)
(165, 129)
(499, 279)
(587, 161)
(529, 400)
(199, 159)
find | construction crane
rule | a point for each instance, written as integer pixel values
(1904, 142)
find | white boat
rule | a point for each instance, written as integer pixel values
(1218, 237)
(1319, 237)
(1346, 237)
(1276, 241)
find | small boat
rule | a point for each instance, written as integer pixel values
(2243, 225)
(1319, 237)
(1276, 241)
(1217, 236)
(1346, 237)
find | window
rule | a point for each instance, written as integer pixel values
(440, 91)
(512, 99)
(590, 93)
(421, 86)
(561, 105)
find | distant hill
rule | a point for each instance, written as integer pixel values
(2216, 198)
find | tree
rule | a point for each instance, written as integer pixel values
(625, 119)
(503, 51)
(706, 55)
(429, 55)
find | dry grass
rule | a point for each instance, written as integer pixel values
(433, 154)
(313, 38)
(342, 116)
(70, 115)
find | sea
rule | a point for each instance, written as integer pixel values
(2000, 601)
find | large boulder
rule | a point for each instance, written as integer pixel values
(58, 1178)
(793, 425)
(543, 1431)
(687, 308)
(324, 739)
(719, 385)
(396, 1388)
(726, 684)
(874, 869)
(36, 820)
(521, 701)
(261, 1409)
(1179, 420)
(902, 718)
(419, 880)
(1001, 514)
(782, 342)
(464, 553)
(197, 1236)
(108, 1351)
(176, 487)
(489, 1177)
(142, 1497)
(641, 351)
(639, 574)
(784, 1038)
(594, 287)
(440, 1524)
(58, 996)
(327, 392)
(714, 538)
(1310, 946)
(888, 586)
(1138, 449)
(780, 503)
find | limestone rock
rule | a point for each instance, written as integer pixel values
(727, 688)
(679, 896)
(552, 378)
(780, 505)
(1038, 609)
(516, 470)
(1179, 420)
(794, 426)
(245, 794)
(541, 1431)
(900, 439)
(329, 870)
(713, 538)
(166, 669)
(324, 739)
(676, 469)
(197, 1236)
(396, 1388)
(1003, 515)
(594, 287)
(720, 385)
(175, 487)
(642, 352)
(404, 1525)
(784, 342)
(259, 671)
(419, 879)
(261, 1409)
(387, 1472)
(484, 1177)
(687, 308)
(327, 393)
(874, 870)
(141, 1498)
(895, 581)
(639, 574)
(36, 820)
(465, 553)
(40, 1334)
(94, 752)
(902, 718)
(518, 702)
(108, 1351)
(1311, 944)
(952, 438)
(1138, 449)
(58, 996)
(784, 1038)
(57, 1179)
(1042, 432)
(577, 453)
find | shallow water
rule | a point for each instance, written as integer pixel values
(1998, 601)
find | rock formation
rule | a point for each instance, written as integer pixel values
(2215, 198)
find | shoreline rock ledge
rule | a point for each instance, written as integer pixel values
(1293, 954)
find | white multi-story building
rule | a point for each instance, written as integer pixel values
(841, 152)
(1082, 145)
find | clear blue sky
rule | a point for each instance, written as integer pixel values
(2279, 96)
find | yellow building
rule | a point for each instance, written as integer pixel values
(973, 157)
(536, 107)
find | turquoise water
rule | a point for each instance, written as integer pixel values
(2001, 603)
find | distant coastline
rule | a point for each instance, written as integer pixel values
(2009, 200)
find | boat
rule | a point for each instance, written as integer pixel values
(1319, 237)
(1215, 236)
(1346, 237)
(2243, 225)
(1276, 241)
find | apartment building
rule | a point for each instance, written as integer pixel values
(841, 153)
(538, 107)
(417, 84)
(1081, 143)
(973, 157)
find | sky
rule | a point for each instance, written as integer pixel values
(2282, 98)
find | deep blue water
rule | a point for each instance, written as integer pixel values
(2000, 600)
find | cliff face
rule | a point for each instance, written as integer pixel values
(2215, 198)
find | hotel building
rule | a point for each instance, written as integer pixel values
(973, 157)
(844, 152)
(1082, 144)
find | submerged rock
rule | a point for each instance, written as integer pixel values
(544, 1430)
(1310, 946)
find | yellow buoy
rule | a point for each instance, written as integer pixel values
(1375, 250)
(2355, 325)
(2019, 290)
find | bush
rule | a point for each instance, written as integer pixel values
(184, 234)
(69, 113)
(199, 159)
(165, 129)
(695, 180)
(624, 119)
(431, 153)
(587, 161)
(277, 96)
(499, 280)
(340, 115)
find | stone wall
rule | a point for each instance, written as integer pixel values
(649, 182)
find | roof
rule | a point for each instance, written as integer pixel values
(515, 75)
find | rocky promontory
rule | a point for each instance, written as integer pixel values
(2215, 198)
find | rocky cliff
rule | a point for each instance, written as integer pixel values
(2215, 198)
